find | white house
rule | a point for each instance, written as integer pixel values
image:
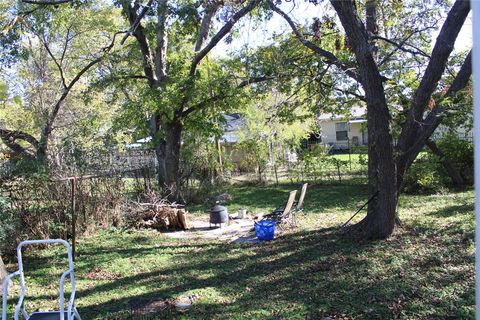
(234, 125)
(342, 132)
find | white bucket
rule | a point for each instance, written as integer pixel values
(241, 213)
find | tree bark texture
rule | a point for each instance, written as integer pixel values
(167, 150)
(380, 220)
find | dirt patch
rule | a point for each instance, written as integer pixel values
(98, 274)
(149, 307)
(144, 307)
(233, 231)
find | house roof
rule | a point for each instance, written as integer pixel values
(234, 124)
(357, 121)
(356, 113)
(139, 143)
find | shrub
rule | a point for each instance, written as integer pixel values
(9, 227)
(424, 175)
(428, 175)
(37, 207)
(460, 153)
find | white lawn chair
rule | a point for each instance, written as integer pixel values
(298, 206)
(283, 215)
(70, 314)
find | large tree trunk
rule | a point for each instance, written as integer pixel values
(167, 151)
(380, 220)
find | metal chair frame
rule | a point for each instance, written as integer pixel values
(284, 214)
(298, 206)
(71, 314)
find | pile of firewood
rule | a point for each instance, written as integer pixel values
(159, 215)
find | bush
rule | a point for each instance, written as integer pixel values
(9, 227)
(427, 173)
(316, 164)
(36, 207)
(310, 164)
(460, 153)
(424, 175)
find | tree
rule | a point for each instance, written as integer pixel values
(62, 46)
(272, 129)
(366, 63)
(174, 63)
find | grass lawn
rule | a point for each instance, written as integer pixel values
(425, 271)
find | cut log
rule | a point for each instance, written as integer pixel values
(160, 216)
(182, 217)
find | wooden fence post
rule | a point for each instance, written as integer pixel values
(74, 215)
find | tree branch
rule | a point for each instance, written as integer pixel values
(133, 76)
(250, 81)
(209, 13)
(221, 33)
(136, 21)
(42, 145)
(46, 2)
(218, 97)
(9, 137)
(162, 40)
(454, 174)
(403, 42)
(138, 32)
(356, 95)
(67, 40)
(435, 68)
(59, 67)
(401, 47)
(434, 118)
(331, 58)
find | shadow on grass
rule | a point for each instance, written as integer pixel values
(308, 274)
(422, 272)
(304, 275)
(453, 210)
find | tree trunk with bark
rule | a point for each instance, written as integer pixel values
(171, 156)
(155, 67)
(380, 220)
(167, 150)
(452, 172)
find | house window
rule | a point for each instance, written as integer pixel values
(341, 130)
(364, 136)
